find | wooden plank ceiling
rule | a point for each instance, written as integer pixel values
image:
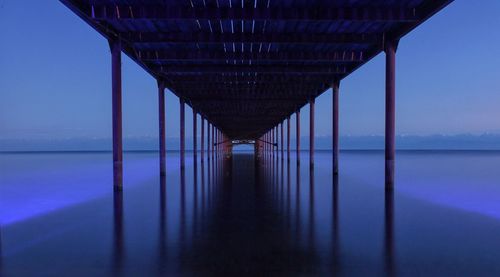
(248, 65)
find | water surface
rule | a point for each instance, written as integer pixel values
(60, 217)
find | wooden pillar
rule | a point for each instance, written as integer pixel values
(195, 142)
(390, 112)
(298, 135)
(272, 143)
(276, 140)
(202, 139)
(288, 138)
(311, 132)
(282, 140)
(335, 126)
(182, 134)
(213, 141)
(267, 144)
(161, 122)
(116, 88)
(208, 141)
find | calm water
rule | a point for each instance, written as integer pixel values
(59, 216)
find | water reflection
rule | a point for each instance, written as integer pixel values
(118, 234)
(389, 234)
(236, 216)
(1, 252)
(335, 224)
(162, 232)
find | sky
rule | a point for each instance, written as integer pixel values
(55, 80)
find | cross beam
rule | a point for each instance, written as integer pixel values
(300, 56)
(306, 69)
(239, 37)
(306, 13)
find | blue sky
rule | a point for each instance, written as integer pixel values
(55, 79)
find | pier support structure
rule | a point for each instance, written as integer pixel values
(390, 112)
(297, 115)
(202, 139)
(182, 133)
(213, 141)
(161, 123)
(116, 88)
(311, 132)
(195, 139)
(288, 138)
(335, 126)
(276, 139)
(282, 141)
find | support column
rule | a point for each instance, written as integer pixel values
(311, 132)
(335, 126)
(288, 138)
(161, 121)
(195, 142)
(208, 141)
(276, 140)
(213, 141)
(298, 136)
(182, 134)
(202, 139)
(390, 112)
(272, 143)
(282, 140)
(116, 88)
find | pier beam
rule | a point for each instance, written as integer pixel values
(390, 112)
(297, 115)
(311, 132)
(116, 88)
(161, 122)
(202, 139)
(182, 133)
(335, 126)
(195, 140)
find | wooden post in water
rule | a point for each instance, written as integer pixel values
(390, 112)
(298, 136)
(195, 142)
(116, 88)
(182, 133)
(335, 126)
(202, 139)
(161, 123)
(311, 132)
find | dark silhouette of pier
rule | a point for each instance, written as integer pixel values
(246, 67)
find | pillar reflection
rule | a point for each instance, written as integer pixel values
(195, 199)
(182, 218)
(162, 230)
(389, 234)
(297, 203)
(311, 208)
(335, 223)
(118, 234)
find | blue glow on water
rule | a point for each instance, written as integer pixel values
(242, 214)
(42, 183)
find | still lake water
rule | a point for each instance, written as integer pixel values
(59, 216)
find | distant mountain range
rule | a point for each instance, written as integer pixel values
(403, 142)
